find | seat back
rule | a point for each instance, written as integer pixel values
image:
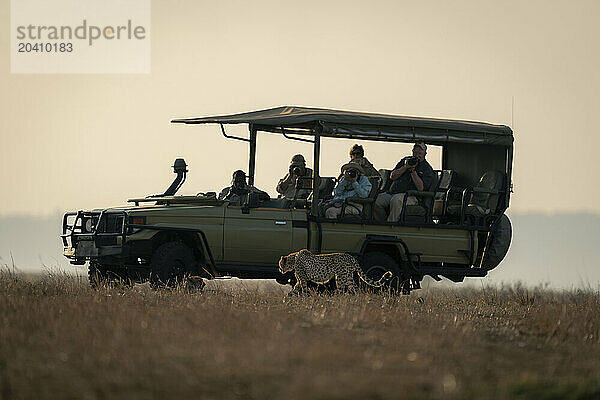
(491, 181)
(367, 212)
(427, 202)
(445, 180)
(434, 183)
(326, 185)
(444, 183)
(375, 186)
(421, 213)
(386, 182)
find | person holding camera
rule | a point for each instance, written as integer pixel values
(239, 190)
(411, 173)
(290, 184)
(357, 155)
(353, 183)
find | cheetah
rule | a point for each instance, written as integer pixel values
(321, 268)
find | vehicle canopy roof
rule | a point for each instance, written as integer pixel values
(365, 126)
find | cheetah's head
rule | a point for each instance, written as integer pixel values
(287, 263)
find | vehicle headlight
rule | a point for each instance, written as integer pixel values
(89, 225)
(136, 221)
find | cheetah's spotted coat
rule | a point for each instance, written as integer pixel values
(321, 268)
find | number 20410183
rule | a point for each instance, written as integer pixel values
(45, 47)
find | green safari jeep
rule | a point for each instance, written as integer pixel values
(458, 229)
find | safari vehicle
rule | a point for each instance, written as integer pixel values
(459, 228)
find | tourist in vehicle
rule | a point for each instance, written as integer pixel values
(411, 173)
(289, 185)
(353, 183)
(357, 155)
(239, 189)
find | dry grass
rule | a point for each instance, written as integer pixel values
(59, 339)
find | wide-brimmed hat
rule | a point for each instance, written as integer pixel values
(352, 165)
(298, 159)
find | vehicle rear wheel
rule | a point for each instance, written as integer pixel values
(171, 263)
(376, 264)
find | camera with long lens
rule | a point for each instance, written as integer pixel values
(412, 161)
(296, 170)
(352, 173)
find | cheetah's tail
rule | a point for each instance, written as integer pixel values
(386, 277)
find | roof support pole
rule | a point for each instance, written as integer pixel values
(509, 184)
(252, 155)
(316, 158)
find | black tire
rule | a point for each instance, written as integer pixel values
(102, 275)
(499, 244)
(170, 264)
(96, 275)
(376, 264)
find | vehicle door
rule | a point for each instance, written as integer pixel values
(300, 233)
(259, 237)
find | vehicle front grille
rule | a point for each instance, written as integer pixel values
(111, 223)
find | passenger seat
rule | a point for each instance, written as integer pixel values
(386, 182)
(440, 199)
(481, 200)
(420, 213)
(367, 202)
(326, 185)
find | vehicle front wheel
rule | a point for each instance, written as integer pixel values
(170, 264)
(107, 275)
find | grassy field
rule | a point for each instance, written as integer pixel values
(59, 339)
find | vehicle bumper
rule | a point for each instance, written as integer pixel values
(88, 235)
(89, 250)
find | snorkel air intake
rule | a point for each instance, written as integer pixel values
(180, 168)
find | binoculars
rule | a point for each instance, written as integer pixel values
(352, 173)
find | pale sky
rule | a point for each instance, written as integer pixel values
(85, 141)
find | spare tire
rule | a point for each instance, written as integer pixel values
(498, 244)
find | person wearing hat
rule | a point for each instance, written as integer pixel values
(411, 173)
(239, 189)
(357, 155)
(288, 185)
(353, 183)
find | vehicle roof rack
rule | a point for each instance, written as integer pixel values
(364, 126)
